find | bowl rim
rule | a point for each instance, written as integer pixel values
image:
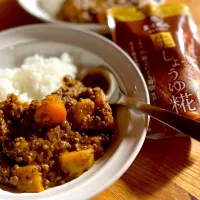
(133, 155)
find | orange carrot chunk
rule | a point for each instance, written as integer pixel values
(51, 112)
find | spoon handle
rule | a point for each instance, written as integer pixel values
(175, 121)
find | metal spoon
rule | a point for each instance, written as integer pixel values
(102, 77)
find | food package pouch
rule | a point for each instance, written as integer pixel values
(163, 42)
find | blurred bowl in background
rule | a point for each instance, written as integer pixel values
(46, 10)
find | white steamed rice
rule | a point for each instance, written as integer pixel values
(36, 78)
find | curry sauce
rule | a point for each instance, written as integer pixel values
(49, 142)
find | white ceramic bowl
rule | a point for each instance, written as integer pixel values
(86, 48)
(40, 9)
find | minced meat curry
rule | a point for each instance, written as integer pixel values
(50, 142)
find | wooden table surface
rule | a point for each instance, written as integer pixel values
(166, 169)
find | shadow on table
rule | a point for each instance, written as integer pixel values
(156, 165)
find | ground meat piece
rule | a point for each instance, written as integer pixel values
(4, 129)
(5, 172)
(14, 149)
(59, 138)
(12, 108)
(70, 92)
(27, 123)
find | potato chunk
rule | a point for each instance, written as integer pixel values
(76, 162)
(27, 179)
(82, 112)
(92, 114)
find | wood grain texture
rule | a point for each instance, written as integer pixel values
(167, 169)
